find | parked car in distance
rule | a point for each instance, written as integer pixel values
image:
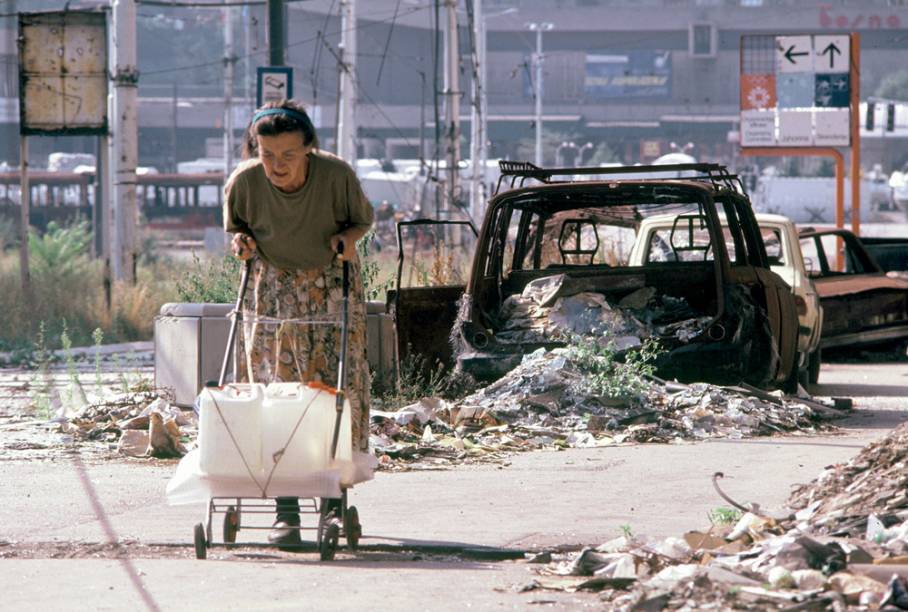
(862, 304)
(783, 251)
(741, 317)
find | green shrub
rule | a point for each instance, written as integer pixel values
(212, 280)
(62, 250)
(608, 376)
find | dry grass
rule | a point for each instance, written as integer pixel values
(78, 300)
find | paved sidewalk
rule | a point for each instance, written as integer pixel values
(543, 499)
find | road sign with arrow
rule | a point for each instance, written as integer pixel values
(831, 54)
(801, 85)
(794, 54)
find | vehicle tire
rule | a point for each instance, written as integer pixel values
(231, 525)
(813, 366)
(200, 541)
(328, 545)
(352, 529)
(790, 384)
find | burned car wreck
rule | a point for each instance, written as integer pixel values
(552, 262)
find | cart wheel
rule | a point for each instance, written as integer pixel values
(231, 525)
(352, 529)
(328, 545)
(201, 545)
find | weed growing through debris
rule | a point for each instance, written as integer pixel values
(97, 337)
(724, 516)
(607, 375)
(626, 531)
(40, 386)
(371, 270)
(69, 360)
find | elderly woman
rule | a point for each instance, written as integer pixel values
(290, 206)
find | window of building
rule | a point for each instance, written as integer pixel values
(702, 40)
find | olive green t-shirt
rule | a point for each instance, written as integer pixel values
(293, 230)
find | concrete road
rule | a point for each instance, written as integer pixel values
(50, 511)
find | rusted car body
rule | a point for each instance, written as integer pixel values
(862, 304)
(580, 230)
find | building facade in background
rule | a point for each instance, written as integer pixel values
(628, 77)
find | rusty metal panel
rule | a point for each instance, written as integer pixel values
(63, 72)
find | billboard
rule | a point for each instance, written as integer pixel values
(63, 72)
(795, 90)
(628, 74)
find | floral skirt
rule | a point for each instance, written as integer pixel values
(279, 344)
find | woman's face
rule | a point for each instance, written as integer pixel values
(285, 159)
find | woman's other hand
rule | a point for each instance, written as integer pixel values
(342, 246)
(243, 246)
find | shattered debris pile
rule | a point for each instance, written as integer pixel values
(545, 402)
(874, 483)
(555, 308)
(138, 422)
(761, 562)
(141, 423)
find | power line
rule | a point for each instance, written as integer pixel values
(287, 46)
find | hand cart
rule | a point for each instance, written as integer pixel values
(336, 518)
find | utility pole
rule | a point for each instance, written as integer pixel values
(229, 73)
(124, 142)
(539, 28)
(452, 101)
(346, 104)
(276, 32)
(478, 119)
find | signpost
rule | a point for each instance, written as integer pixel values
(62, 88)
(273, 83)
(800, 96)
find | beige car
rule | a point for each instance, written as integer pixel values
(783, 250)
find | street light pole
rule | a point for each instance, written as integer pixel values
(478, 115)
(346, 123)
(539, 28)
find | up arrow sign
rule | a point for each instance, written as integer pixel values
(794, 54)
(831, 50)
(832, 54)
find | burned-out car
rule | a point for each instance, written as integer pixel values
(552, 261)
(862, 304)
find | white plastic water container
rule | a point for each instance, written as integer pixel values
(230, 431)
(298, 429)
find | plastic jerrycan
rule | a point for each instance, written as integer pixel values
(309, 409)
(230, 430)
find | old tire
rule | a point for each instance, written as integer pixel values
(200, 541)
(231, 525)
(328, 546)
(813, 366)
(352, 529)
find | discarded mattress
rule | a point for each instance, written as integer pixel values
(269, 441)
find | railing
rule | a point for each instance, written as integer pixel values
(165, 200)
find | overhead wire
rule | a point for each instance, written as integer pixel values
(381, 65)
(287, 46)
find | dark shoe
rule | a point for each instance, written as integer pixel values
(331, 505)
(285, 534)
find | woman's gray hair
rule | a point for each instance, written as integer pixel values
(279, 123)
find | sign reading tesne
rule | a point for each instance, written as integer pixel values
(795, 90)
(63, 72)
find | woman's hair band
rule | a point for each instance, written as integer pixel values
(289, 112)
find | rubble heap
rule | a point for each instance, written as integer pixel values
(545, 402)
(140, 423)
(760, 562)
(875, 482)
